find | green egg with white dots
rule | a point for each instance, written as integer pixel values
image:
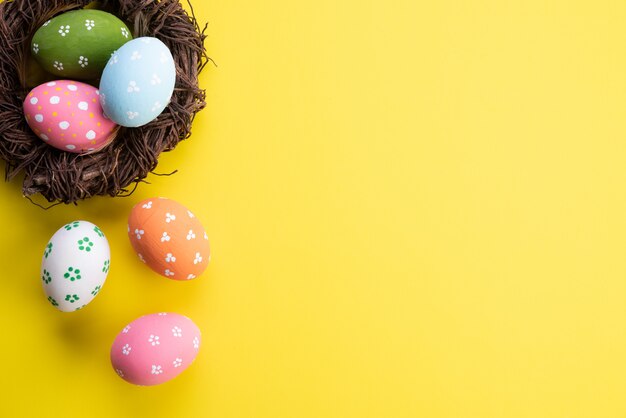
(78, 44)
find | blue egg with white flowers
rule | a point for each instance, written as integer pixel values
(138, 82)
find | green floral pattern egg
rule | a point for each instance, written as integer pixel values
(78, 44)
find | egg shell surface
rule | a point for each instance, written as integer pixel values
(78, 44)
(169, 238)
(155, 348)
(75, 265)
(138, 82)
(68, 116)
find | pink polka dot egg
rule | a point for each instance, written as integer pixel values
(68, 116)
(156, 348)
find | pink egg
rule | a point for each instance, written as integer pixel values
(68, 116)
(155, 348)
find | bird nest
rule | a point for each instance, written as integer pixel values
(117, 169)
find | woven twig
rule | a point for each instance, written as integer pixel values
(68, 178)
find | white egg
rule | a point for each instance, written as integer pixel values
(75, 265)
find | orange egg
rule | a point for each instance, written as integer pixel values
(169, 238)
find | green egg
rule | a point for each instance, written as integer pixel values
(78, 44)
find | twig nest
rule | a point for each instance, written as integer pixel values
(68, 177)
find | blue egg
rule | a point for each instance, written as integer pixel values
(138, 82)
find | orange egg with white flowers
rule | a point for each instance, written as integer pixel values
(169, 238)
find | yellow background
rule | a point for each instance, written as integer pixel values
(416, 208)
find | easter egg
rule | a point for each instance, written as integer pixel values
(138, 82)
(79, 43)
(75, 265)
(68, 116)
(169, 238)
(155, 348)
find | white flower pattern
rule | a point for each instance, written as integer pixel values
(132, 115)
(177, 332)
(165, 237)
(139, 233)
(58, 65)
(143, 260)
(64, 30)
(169, 273)
(191, 277)
(36, 48)
(147, 205)
(156, 369)
(155, 80)
(125, 32)
(126, 349)
(83, 61)
(126, 329)
(169, 258)
(169, 217)
(135, 56)
(178, 362)
(90, 24)
(198, 259)
(133, 87)
(154, 340)
(196, 342)
(190, 235)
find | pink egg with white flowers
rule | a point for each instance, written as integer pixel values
(154, 349)
(68, 116)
